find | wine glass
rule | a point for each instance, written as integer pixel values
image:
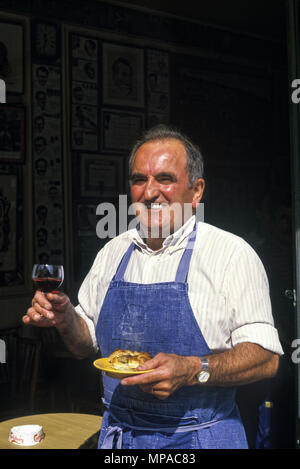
(47, 278)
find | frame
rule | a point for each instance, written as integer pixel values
(12, 134)
(84, 47)
(47, 164)
(11, 226)
(158, 87)
(45, 40)
(84, 51)
(120, 129)
(12, 56)
(86, 219)
(123, 75)
(101, 175)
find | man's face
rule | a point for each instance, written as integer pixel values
(42, 76)
(90, 71)
(39, 145)
(41, 237)
(41, 99)
(41, 167)
(160, 187)
(39, 123)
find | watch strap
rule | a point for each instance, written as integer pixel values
(205, 364)
(204, 374)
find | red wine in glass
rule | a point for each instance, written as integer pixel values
(47, 278)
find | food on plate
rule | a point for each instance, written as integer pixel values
(126, 360)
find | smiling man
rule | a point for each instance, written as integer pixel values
(193, 296)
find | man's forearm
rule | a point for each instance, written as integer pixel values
(245, 363)
(75, 334)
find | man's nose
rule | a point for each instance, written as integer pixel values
(151, 189)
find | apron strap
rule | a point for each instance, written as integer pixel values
(185, 260)
(113, 433)
(119, 275)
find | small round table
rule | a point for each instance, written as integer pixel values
(62, 431)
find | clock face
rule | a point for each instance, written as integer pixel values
(46, 40)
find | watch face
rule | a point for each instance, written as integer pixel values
(203, 376)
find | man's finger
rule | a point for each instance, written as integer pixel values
(143, 378)
(42, 302)
(38, 320)
(152, 363)
(57, 298)
(38, 309)
(34, 315)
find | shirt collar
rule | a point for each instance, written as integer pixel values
(175, 239)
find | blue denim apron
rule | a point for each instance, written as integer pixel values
(158, 318)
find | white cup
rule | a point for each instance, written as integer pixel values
(26, 435)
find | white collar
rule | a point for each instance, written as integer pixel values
(174, 240)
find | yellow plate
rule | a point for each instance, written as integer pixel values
(104, 365)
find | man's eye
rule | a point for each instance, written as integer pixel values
(138, 181)
(165, 180)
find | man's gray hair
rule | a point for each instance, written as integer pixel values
(195, 163)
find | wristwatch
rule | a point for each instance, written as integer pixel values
(203, 376)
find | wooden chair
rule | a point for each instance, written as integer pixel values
(28, 354)
(8, 369)
(20, 371)
(71, 383)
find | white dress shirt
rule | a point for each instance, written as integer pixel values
(227, 284)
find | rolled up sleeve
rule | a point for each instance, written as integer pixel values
(265, 335)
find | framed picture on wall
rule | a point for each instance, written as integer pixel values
(158, 87)
(45, 40)
(12, 134)
(12, 56)
(11, 226)
(86, 219)
(84, 97)
(101, 175)
(120, 129)
(123, 75)
(84, 47)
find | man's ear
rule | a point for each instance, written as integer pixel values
(198, 189)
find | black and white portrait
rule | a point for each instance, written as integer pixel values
(8, 214)
(11, 134)
(11, 56)
(123, 75)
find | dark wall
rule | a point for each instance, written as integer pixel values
(227, 90)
